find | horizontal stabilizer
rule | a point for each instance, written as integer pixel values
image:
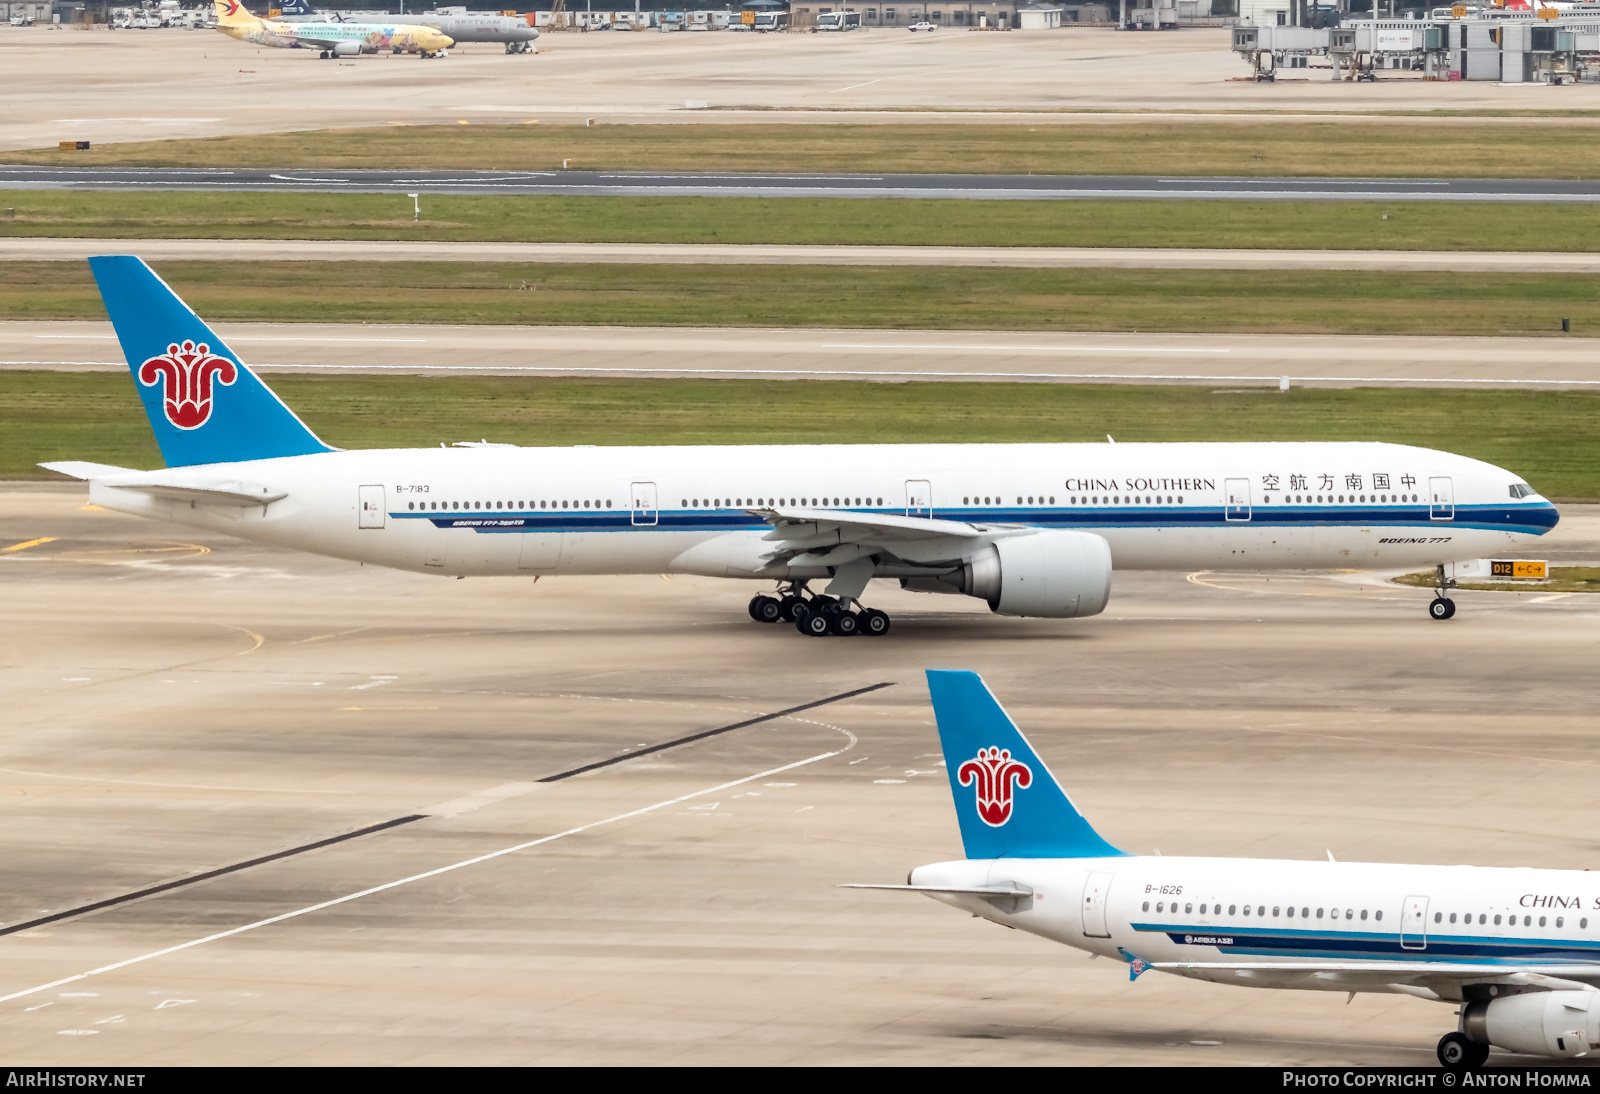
(1008, 890)
(226, 493)
(83, 469)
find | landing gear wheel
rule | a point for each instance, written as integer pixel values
(764, 609)
(814, 624)
(844, 623)
(1457, 1052)
(323, 55)
(791, 606)
(874, 622)
(1442, 608)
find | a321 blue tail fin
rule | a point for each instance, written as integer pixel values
(1009, 804)
(204, 404)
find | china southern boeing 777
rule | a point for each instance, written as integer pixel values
(1517, 950)
(1033, 529)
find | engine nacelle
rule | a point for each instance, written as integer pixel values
(1539, 1023)
(346, 49)
(1056, 575)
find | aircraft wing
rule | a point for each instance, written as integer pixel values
(831, 537)
(1356, 973)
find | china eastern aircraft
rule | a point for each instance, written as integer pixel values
(514, 31)
(333, 39)
(1517, 950)
(1033, 529)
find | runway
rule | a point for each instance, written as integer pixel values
(640, 184)
(177, 703)
(24, 249)
(878, 355)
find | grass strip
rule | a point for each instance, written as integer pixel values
(1551, 438)
(949, 298)
(1471, 149)
(1407, 226)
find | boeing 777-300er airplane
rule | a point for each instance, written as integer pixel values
(333, 39)
(1033, 529)
(1518, 950)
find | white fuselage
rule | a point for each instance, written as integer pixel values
(1264, 912)
(619, 510)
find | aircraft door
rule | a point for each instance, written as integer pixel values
(1095, 891)
(919, 498)
(371, 507)
(1414, 924)
(1441, 498)
(1238, 499)
(645, 513)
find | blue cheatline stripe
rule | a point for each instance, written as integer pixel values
(1345, 945)
(1412, 521)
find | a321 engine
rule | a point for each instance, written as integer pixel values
(1057, 575)
(1539, 1023)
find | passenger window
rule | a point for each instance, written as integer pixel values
(1052, 499)
(1377, 915)
(1247, 909)
(1160, 906)
(1437, 916)
(1263, 910)
(1288, 912)
(1363, 913)
(1497, 921)
(1349, 913)
(1188, 909)
(1146, 906)
(1304, 912)
(1583, 924)
(1482, 919)
(1452, 917)
(1319, 913)
(1560, 920)
(1527, 921)
(1541, 921)
(1232, 907)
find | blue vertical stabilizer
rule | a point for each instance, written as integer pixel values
(1009, 804)
(204, 404)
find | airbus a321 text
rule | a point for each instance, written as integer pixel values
(1517, 951)
(1032, 529)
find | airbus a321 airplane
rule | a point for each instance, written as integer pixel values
(333, 39)
(1517, 950)
(1033, 529)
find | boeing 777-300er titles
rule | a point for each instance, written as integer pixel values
(333, 39)
(514, 31)
(1517, 949)
(1033, 529)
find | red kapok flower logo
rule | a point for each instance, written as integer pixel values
(993, 773)
(187, 372)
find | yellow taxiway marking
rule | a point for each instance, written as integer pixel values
(23, 546)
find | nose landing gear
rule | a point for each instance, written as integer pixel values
(1442, 607)
(1457, 1052)
(818, 615)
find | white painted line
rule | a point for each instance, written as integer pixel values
(1015, 349)
(386, 886)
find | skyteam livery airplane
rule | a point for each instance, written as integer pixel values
(1033, 529)
(1517, 949)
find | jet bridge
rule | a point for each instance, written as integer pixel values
(1499, 47)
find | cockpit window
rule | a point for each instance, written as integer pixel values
(1520, 490)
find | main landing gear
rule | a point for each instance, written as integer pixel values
(818, 615)
(1457, 1051)
(1442, 607)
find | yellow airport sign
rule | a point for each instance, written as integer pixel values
(1518, 568)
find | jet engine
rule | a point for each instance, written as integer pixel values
(1054, 574)
(346, 49)
(1540, 1023)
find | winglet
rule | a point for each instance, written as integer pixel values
(1137, 966)
(1008, 802)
